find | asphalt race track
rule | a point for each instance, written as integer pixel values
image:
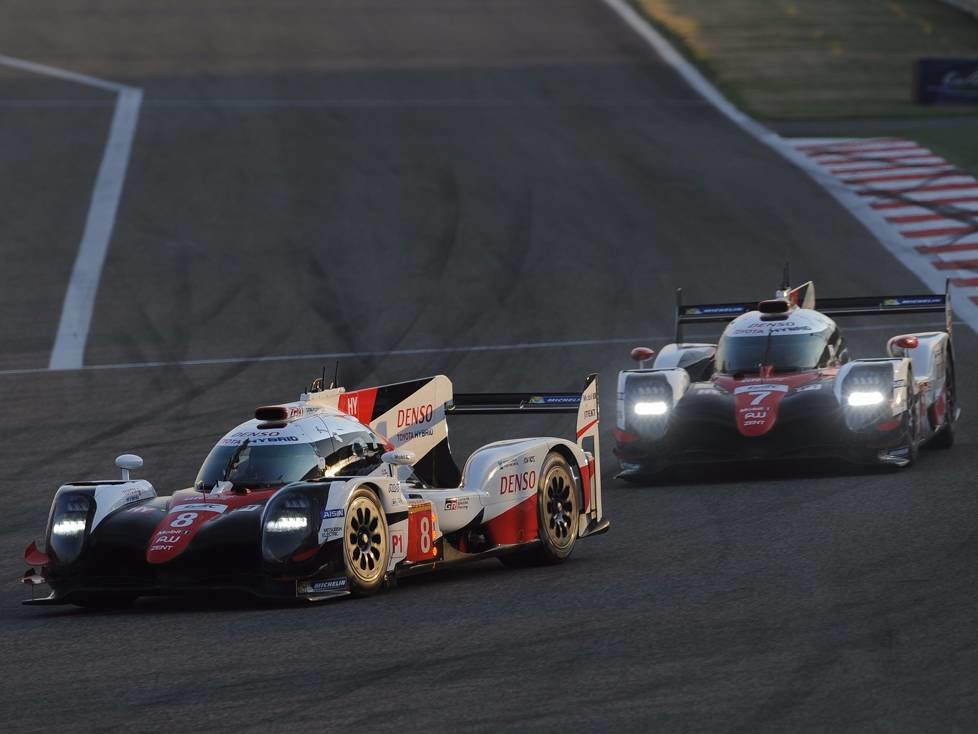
(363, 176)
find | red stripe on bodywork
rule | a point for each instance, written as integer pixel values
(359, 404)
(586, 428)
(518, 524)
(169, 541)
(757, 412)
(623, 436)
(587, 474)
(938, 410)
(964, 282)
(34, 557)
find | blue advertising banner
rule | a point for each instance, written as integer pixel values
(946, 81)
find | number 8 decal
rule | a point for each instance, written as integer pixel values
(183, 520)
(425, 535)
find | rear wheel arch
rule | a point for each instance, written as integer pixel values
(568, 455)
(555, 542)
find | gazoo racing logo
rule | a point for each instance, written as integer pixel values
(518, 482)
(412, 416)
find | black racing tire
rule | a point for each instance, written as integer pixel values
(366, 543)
(912, 429)
(558, 513)
(945, 436)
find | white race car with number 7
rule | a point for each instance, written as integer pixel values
(337, 493)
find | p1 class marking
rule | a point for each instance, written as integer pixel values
(68, 352)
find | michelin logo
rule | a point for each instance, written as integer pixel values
(323, 586)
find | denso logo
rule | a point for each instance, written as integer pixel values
(411, 416)
(509, 483)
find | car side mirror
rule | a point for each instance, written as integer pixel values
(128, 463)
(398, 458)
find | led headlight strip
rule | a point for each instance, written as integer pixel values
(70, 517)
(287, 524)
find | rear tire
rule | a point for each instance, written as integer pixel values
(366, 545)
(945, 437)
(558, 512)
(913, 422)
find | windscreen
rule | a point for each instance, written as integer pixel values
(245, 465)
(786, 352)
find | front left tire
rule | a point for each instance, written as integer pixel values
(366, 543)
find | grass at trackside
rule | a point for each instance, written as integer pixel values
(817, 58)
(821, 59)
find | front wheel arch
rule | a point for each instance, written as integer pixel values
(365, 577)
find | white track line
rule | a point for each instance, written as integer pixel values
(858, 206)
(420, 351)
(76, 312)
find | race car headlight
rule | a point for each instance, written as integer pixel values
(867, 395)
(651, 407)
(69, 524)
(865, 398)
(648, 405)
(287, 526)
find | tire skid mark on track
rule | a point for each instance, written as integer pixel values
(407, 352)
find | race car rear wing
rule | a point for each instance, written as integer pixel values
(834, 307)
(512, 403)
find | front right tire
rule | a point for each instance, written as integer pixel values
(913, 421)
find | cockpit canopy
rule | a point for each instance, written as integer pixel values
(303, 450)
(804, 340)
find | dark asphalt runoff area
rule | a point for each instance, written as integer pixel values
(313, 177)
